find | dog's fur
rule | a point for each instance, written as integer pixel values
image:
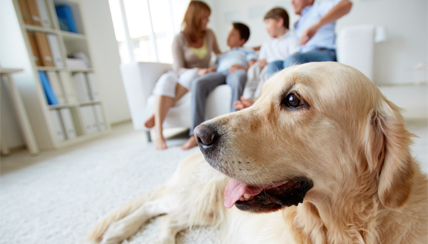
(346, 138)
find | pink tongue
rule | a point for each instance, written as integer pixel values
(235, 190)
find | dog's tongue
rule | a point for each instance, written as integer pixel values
(235, 190)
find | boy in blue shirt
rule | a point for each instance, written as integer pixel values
(232, 70)
(238, 57)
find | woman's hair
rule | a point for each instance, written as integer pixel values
(192, 20)
(277, 13)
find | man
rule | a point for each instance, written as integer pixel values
(315, 31)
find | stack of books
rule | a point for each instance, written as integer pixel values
(57, 87)
(58, 90)
(45, 49)
(35, 12)
(65, 18)
(92, 118)
(86, 87)
(63, 124)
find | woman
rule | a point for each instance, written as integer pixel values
(191, 51)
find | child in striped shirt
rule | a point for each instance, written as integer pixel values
(238, 57)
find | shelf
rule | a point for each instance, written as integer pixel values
(45, 126)
(80, 70)
(40, 29)
(61, 106)
(74, 70)
(89, 103)
(50, 69)
(71, 35)
(9, 70)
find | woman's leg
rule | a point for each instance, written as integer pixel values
(163, 104)
(165, 86)
(164, 90)
(201, 87)
(182, 87)
(180, 91)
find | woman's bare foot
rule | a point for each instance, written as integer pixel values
(150, 122)
(191, 143)
(160, 143)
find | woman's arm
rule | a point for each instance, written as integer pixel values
(177, 55)
(216, 49)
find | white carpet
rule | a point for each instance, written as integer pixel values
(58, 196)
(60, 199)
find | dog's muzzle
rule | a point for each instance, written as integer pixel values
(211, 144)
(206, 136)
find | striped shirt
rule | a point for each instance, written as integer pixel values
(237, 55)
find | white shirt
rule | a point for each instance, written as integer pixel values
(279, 48)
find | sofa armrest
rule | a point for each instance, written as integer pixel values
(355, 47)
(139, 79)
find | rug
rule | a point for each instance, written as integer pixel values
(63, 195)
(60, 199)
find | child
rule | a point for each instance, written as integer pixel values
(281, 45)
(232, 70)
(238, 57)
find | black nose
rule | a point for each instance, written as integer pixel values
(206, 136)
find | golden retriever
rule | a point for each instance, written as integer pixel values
(321, 157)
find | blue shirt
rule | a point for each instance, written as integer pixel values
(325, 36)
(237, 55)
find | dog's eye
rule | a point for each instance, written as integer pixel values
(292, 101)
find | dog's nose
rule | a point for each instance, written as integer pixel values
(206, 136)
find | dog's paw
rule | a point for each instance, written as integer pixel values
(117, 232)
(166, 240)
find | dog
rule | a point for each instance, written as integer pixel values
(321, 157)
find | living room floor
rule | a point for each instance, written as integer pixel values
(57, 196)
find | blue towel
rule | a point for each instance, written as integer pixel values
(65, 18)
(50, 95)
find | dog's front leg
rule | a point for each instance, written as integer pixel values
(170, 226)
(128, 226)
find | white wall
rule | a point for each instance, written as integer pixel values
(106, 59)
(406, 24)
(405, 21)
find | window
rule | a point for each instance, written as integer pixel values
(145, 28)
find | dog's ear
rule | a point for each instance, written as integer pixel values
(387, 149)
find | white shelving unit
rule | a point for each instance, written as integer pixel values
(32, 91)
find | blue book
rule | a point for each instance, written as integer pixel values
(50, 95)
(65, 18)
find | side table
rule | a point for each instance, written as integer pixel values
(18, 105)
